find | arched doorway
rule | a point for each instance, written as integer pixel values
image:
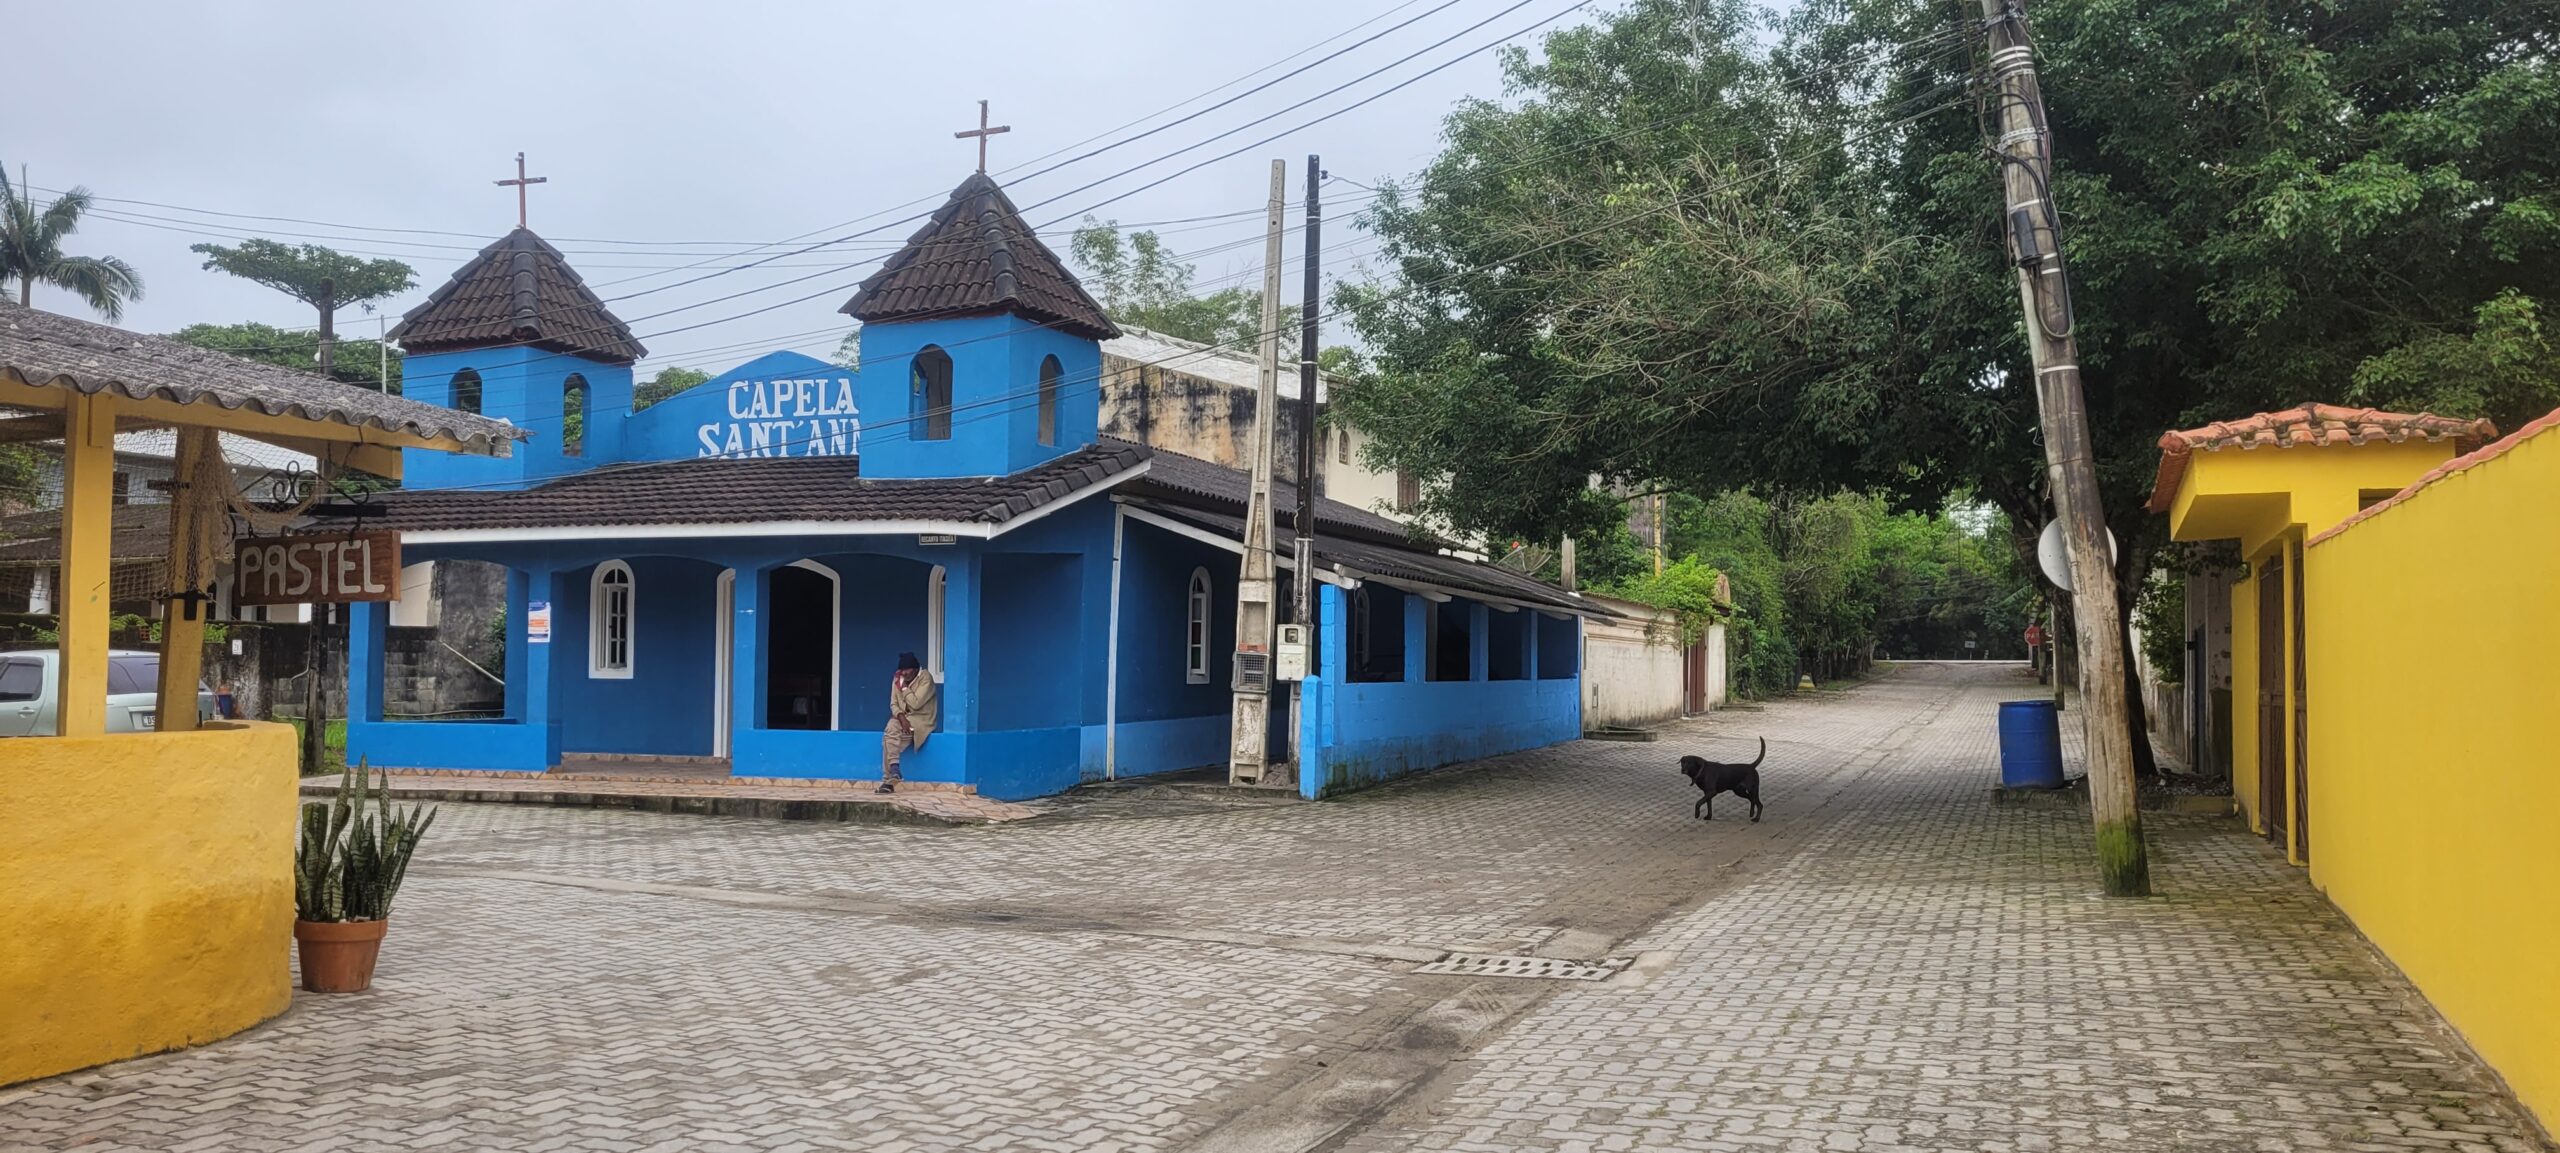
(802, 638)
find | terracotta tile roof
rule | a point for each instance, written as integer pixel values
(2310, 424)
(519, 290)
(976, 256)
(1189, 480)
(51, 351)
(2464, 463)
(730, 491)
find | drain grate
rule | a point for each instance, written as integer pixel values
(1540, 968)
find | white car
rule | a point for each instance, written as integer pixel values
(27, 694)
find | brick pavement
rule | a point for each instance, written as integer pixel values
(1885, 962)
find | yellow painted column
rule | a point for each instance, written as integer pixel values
(88, 530)
(190, 569)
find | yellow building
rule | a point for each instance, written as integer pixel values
(2392, 638)
(147, 876)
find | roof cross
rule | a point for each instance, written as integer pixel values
(519, 184)
(982, 133)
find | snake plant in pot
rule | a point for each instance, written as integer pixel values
(347, 866)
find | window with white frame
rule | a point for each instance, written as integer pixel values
(609, 618)
(1195, 638)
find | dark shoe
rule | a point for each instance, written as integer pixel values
(887, 787)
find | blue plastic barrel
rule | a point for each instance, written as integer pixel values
(2030, 745)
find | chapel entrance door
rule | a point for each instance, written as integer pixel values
(800, 635)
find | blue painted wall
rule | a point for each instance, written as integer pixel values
(527, 386)
(884, 615)
(665, 706)
(779, 404)
(1358, 733)
(994, 386)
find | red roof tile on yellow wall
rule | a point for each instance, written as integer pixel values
(2310, 424)
(2464, 463)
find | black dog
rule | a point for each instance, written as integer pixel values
(1712, 777)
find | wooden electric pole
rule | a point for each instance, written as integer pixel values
(2025, 150)
(1302, 585)
(1248, 758)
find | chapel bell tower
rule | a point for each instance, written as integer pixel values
(981, 354)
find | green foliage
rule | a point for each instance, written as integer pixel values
(668, 382)
(1685, 588)
(358, 362)
(848, 351)
(306, 272)
(19, 468)
(1140, 284)
(348, 863)
(31, 251)
(1693, 249)
(2160, 611)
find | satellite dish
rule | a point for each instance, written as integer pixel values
(2052, 555)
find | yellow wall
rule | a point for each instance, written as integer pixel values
(2435, 749)
(147, 882)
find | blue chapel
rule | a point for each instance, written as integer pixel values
(729, 575)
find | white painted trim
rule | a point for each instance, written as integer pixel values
(724, 686)
(756, 529)
(1207, 537)
(937, 607)
(1111, 656)
(596, 668)
(835, 642)
(1199, 596)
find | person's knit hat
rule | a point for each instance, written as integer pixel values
(907, 661)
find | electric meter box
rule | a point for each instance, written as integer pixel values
(1290, 654)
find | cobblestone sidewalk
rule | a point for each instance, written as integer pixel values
(1934, 973)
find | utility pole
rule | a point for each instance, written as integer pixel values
(2025, 151)
(1248, 760)
(1302, 607)
(315, 720)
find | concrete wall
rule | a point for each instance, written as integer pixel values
(2432, 792)
(1630, 677)
(149, 887)
(1212, 419)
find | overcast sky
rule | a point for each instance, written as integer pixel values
(660, 123)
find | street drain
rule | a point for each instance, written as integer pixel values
(1541, 968)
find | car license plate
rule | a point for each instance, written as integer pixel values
(146, 720)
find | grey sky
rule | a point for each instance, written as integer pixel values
(664, 122)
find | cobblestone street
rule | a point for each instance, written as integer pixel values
(1888, 961)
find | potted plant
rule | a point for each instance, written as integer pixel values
(347, 866)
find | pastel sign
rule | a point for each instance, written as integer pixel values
(785, 416)
(329, 568)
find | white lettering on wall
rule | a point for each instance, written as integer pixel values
(812, 416)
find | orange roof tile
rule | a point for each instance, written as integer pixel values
(2310, 424)
(2467, 461)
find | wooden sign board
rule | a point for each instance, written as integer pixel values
(317, 568)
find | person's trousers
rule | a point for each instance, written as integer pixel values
(894, 742)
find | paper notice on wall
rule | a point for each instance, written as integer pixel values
(537, 622)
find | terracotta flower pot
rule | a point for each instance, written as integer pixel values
(338, 956)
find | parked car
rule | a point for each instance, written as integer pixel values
(28, 698)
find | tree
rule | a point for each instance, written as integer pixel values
(668, 382)
(323, 278)
(1139, 284)
(360, 362)
(31, 251)
(1681, 259)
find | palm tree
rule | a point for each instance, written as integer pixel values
(31, 250)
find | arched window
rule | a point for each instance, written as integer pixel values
(609, 616)
(1195, 638)
(933, 601)
(1051, 375)
(574, 394)
(1343, 454)
(466, 390)
(929, 402)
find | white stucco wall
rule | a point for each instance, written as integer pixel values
(1627, 682)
